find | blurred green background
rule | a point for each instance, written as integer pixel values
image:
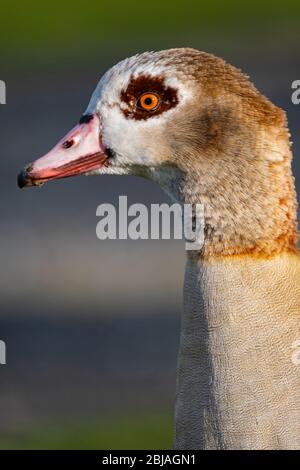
(92, 328)
(35, 31)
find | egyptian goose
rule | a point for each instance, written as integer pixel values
(196, 125)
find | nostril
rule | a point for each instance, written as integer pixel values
(68, 144)
(28, 168)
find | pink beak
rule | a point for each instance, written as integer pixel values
(80, 151)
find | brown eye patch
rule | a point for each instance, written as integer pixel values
(148, 96)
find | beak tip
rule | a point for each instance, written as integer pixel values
(24, 179)
(21, 180)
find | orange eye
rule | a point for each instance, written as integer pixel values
(148, 101)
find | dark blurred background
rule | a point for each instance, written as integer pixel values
(92, 328)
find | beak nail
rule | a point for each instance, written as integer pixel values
(24, 178)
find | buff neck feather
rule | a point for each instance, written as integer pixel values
(248, 194)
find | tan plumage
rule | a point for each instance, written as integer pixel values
(238, 387)
(213, 139)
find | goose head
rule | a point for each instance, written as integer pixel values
(197, 126)
(134, 124)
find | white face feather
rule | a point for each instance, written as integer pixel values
(135, 142)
